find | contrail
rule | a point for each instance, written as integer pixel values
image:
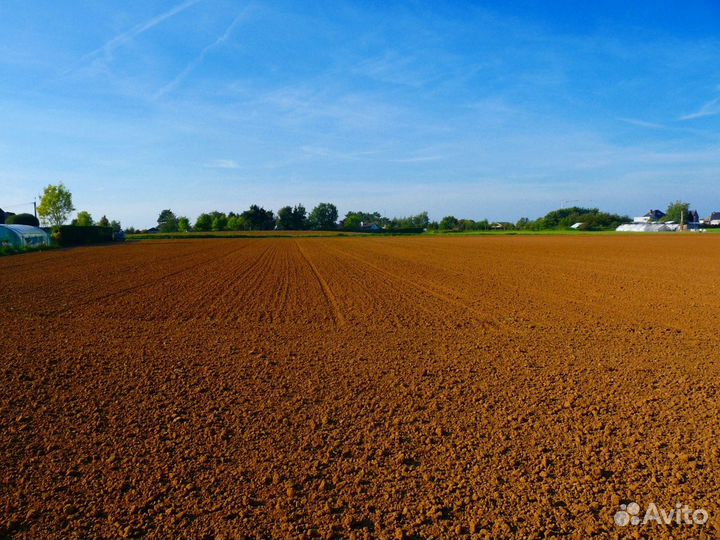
(135, 31)
(200, 57)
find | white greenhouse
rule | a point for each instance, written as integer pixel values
(648, 227)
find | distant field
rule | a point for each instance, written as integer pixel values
(369, 387)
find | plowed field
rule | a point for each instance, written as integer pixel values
(360, 387)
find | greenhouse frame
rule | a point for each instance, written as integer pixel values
(20, 236)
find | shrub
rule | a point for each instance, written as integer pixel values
(23, 219)
(70, 235)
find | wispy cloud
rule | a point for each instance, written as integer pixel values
(200, 58)
(711, 108)
(222, 164)
(642, 123)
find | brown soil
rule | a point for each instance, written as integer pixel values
(360, 387)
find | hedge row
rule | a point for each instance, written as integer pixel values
(71, 235)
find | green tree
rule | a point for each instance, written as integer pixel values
(448, 223)
(203, 222)
(591, 218)
(676, 211)
(55, 205)
(167, 222)
(258, 219)
(352, 222)
(219, 222)
(83, 219)
(285, 218)
(299, 217)
(323, 217)
(368, 218)
(523, 223)
(103, 222)
(183, 224)
(116, 227)
(236, 223)
(409, 222)
(292, 218)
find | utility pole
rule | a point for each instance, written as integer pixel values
(35, 207)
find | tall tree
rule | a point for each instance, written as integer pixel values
(220, 222)
(83, 219)
(103, 222)
(116, 227)
(259, 219)
(203, 222)
(285, 218)
(55, 205)
(167, 222)
(323, 217)
(299, 217)
(448, 222)
(676, 211)
(236, 223)
(352, 221)
(183, 224)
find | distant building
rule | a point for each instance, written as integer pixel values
(655, 215)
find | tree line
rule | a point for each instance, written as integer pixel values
(56, 206)
(324, 217)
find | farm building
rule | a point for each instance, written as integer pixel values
(19, 236)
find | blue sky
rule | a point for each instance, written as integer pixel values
(477, 109)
